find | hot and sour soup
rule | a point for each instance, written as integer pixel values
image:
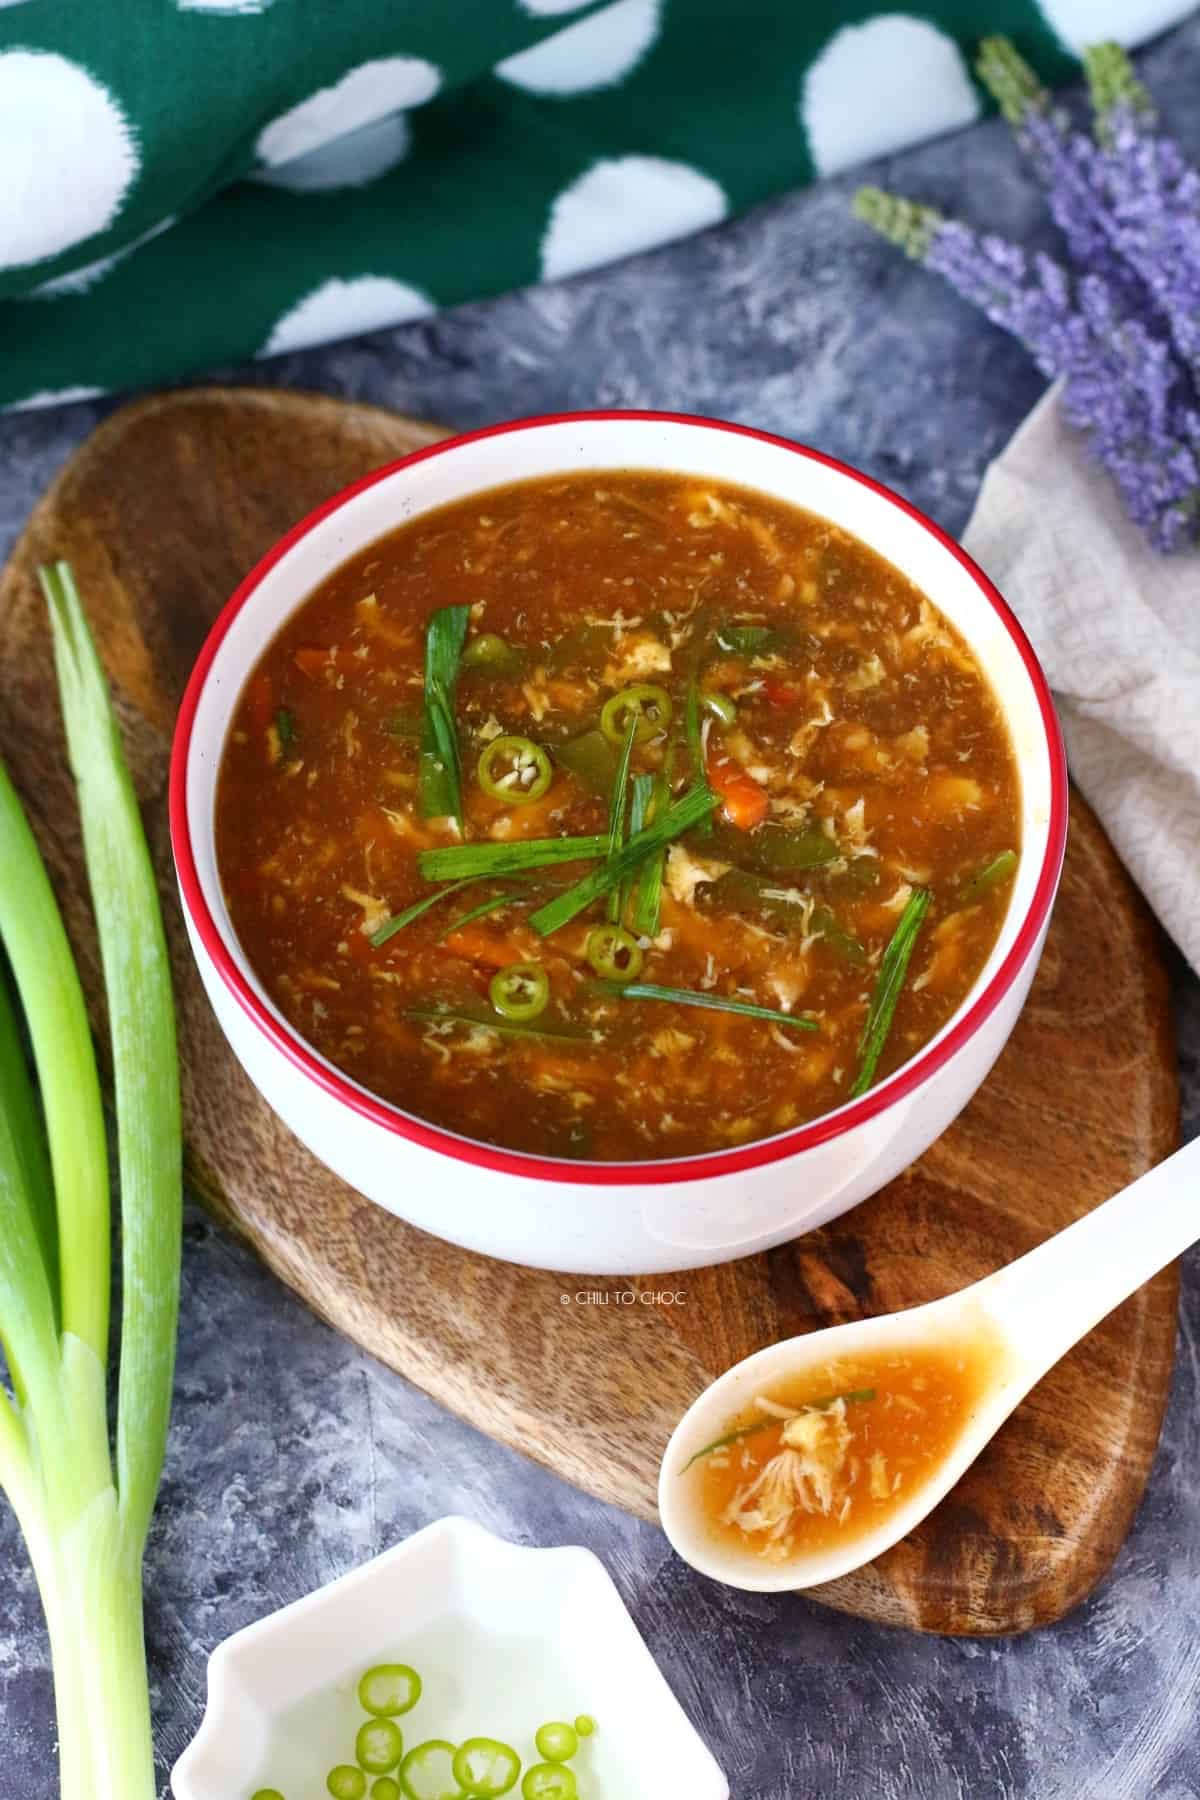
(791, 805)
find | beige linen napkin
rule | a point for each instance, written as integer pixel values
(1117, 628)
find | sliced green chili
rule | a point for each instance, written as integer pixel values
(647, 704)
(378, 1746)
(856, 1397)
(285, 725)
(520, 992)
(441, 769)
(386, 1789)
(267, 1794)
(695, 805)
(999, 869)
(556, 1741)
(389, 1689)
(614, 953)
(888, 982)
(484, 1767)
(514, 769)
(720, 705)
(585, 1725)
(490, 652)
(398, 921)
(549, 1781)
(346, 1782)
(648, 990)
(427, 1772)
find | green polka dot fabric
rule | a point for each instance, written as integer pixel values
(187, 182)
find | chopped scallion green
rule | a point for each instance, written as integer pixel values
(856, 1397)
(441, 768)
(695, 805)
(648, 990)
(1000, 869)
(511, 858)
(892, 969)
(391, 926)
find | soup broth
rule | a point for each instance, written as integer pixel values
(818, 1461)
(626, 642)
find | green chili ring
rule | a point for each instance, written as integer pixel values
(614, 953)
(485, 1767)
(520, 992)
(526, 770)
(649, 704)
(549, 1781)
(720, 705)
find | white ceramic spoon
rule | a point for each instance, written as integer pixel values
(1034, 1310)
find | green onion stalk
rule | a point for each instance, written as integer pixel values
(84, 1502)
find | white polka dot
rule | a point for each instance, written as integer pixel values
(594, 53)
(879, 86)
(623, 205)
(339, 309)
(546, 9)
(56, 397)
(1079, 23)
(68, 156)
(79, 281)
(350, 161)
(366, 94)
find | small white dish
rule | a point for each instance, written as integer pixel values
(505, 1638)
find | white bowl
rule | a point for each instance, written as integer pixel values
(504, 1638)
(634, 1217)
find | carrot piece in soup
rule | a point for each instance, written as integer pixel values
(743, 800)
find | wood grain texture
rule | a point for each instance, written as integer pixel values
(161, 513)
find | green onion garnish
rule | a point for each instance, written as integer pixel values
(616, 815)
(431, 1015)
(648, 990)
(892, 969)
(441, 769)
(285, 725)
(854, 1398)
(998, 870)
(647, 904)
(745, 640)
(391, 926)
(511, 858)
(696, 804)
(695, 742)
(492, 904)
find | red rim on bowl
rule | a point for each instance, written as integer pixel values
(613, 1174)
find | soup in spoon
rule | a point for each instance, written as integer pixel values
(818, 1460)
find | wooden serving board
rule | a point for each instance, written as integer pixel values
(161, 513)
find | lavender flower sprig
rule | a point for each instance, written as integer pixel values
(1121, 330)
(1121, 384)
(1065, 164)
